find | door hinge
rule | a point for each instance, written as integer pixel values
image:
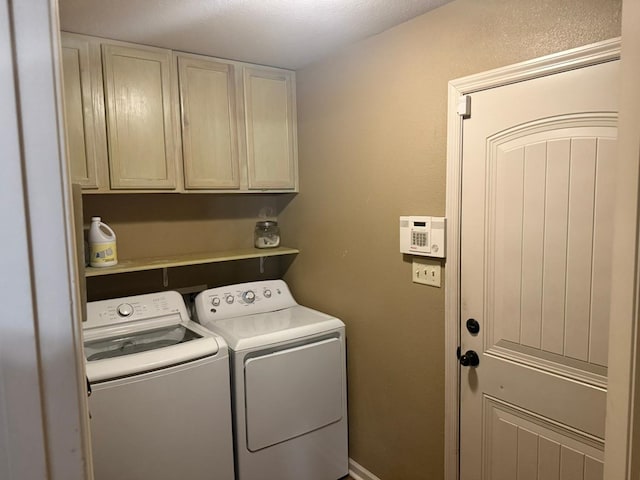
(464, 106)
(458, 352)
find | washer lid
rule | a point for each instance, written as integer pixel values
(123, 350)
(250, 331)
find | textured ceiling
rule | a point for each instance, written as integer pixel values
(283, 33)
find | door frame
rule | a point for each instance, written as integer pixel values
(600, 52)
(44, 423)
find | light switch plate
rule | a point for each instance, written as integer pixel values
(426, 272)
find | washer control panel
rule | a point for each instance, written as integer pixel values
(243, 299)
(139, 307)
(249, 296)
(125, 309)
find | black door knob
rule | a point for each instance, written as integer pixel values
(470, 359)
(473, 326)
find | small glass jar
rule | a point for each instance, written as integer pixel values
(267, 234)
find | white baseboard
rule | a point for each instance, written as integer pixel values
(358, 472)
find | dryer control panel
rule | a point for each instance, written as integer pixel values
(243, 299)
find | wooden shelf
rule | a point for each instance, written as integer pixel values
(141, 264)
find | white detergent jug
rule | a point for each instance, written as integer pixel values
(102, 244)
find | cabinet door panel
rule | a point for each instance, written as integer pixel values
(209, 124)
(270, 124)
(84, 125)
(139, 118)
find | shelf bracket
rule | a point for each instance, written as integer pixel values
(165, 277)
(262, 260)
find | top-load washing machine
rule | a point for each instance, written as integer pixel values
(160, 406)
(288, 381)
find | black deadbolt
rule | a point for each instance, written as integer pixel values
(473, 326)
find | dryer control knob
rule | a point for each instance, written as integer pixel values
(229, 299)
(249, 296)
(125, 310)
(216, 301)
(267, 293)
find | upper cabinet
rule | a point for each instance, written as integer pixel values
(139, 117)
(269, 96)
(209, 124)
(176, 122)
(84, 111)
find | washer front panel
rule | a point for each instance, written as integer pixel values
(169, 424)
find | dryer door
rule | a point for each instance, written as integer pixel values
(294, 391)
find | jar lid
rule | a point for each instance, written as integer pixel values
(267, 223)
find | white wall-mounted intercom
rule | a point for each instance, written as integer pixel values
(423, 236)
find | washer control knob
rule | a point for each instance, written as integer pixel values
(229, 299)
(216, 301)
(267, 293)
(125, 310)
(249, 296)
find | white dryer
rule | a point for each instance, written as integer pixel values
(288, 381)
(160, 406)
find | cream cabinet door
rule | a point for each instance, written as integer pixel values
(139, 117)
(84, 110)
(270, 116)
(209, 124)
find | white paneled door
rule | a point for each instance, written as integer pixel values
(537, 205)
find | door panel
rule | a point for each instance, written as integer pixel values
(555, 233)
(549, 286)
(601, 268)
(537, 197)
(524, 446)
(534, 172)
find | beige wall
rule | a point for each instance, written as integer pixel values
(372, 135)
(156, 225)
